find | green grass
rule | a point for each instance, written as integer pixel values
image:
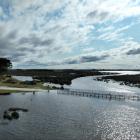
(20, 85)
(10, 82)
(8, 91)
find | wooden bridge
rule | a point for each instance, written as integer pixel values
(95, 94)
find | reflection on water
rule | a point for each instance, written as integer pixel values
(5, 94)
(53, 116)
(62, 117)
(23, 78)
(124, 72)
(111, 87)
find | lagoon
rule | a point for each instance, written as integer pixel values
(54, 116)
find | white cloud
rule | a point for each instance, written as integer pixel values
(69, 23)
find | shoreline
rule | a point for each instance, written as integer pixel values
(129, 80)
(18, 86)
(5, 89)
(62, 77)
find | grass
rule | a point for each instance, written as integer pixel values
(10, 82)
(8, 91)
(38, 85)
(21, 85)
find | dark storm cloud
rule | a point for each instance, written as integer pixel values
(17, 50)
(33, 62)
(133, 51)
(35, 41)
(97, 14)
(80, 60)
(26, 49)
(18, 56)
(92, 14)
(6, 44)
(55, 29)
(93, 58)
(85, 59)
(9, 49)
(71, 61)
(12, 34)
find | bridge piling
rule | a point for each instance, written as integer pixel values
(88, 93)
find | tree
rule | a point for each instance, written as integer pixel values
(5, 64)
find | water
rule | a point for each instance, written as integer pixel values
(51, 85)
(124, 72)
(64, 117)
(100, 86)
(23, 78)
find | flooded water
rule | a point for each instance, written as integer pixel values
(23, 78)
(61, 117)
(53, 116)
(90, 83)
(124, 72)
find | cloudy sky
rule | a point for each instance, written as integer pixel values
(70, 33)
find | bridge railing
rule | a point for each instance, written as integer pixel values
(98, 94)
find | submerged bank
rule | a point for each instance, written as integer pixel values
(15, 89)
(130, 80)
(64, 76)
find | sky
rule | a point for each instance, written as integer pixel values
(70, 33)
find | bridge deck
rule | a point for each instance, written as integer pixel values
(89, 93)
